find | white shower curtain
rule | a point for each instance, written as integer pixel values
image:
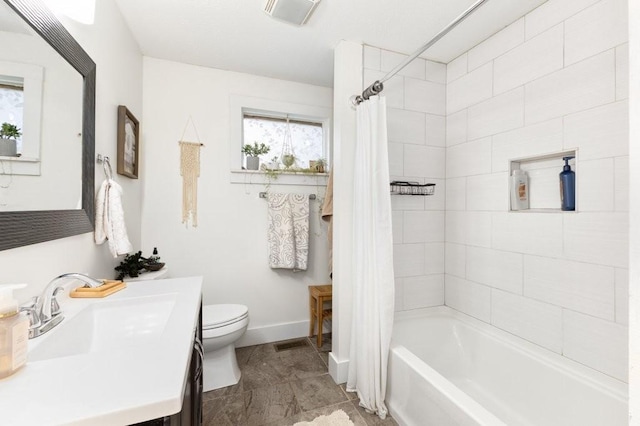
(372, 260)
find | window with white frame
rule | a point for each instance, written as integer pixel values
(265, 121)
(307, 138)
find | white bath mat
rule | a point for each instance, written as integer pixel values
(337, 418)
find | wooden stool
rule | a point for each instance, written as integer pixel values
(318, 294)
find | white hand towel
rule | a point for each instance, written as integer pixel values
(110, 219)
(288, 231)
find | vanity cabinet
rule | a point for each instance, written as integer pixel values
(191, 413)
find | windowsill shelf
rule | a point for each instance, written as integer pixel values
(282, 177)
(19, 159)
(25, 166)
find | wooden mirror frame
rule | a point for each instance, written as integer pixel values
(21, 228)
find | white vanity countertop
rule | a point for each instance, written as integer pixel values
(136, 379)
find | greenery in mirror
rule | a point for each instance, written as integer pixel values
(9, 131)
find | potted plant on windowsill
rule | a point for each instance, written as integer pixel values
(320, 165)
(8, 144)
(253, 153)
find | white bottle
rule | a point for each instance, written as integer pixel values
(14, 332)
(519, 190)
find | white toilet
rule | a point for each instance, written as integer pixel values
(222, 326)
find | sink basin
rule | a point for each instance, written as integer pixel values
(107, 325)
(118, 360)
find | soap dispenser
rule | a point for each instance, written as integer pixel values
(14, 332)
(567, 186)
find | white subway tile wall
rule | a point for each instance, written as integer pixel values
(456, 128)
(535, 321)
(597, 343)
(622, 71)
(596, 29)
(457, 68)
(456, 194)
(497, 269)
(422, 291)
(455, 260)
(622, 298)
(487, 192)
(470, 89)
(417, 129)
(496, 115)
(599, 132)
(406, 126)
(389, 60)
(551, 13)
(526, 141)
(539, 56)
(596, 185)
(580, 86)
(621, 184)
(554, 80)
(469, 158)
(582, 287)
(466, 296)
(495, 46)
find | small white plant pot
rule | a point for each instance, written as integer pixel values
(253, 163)
(8, 148)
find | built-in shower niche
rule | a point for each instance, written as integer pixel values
(543, 175)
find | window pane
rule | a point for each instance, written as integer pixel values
(306, 138)
(11, 108)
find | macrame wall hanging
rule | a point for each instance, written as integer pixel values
(190, 171)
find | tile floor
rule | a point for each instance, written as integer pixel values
(282, 388)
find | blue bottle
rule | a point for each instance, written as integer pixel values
(567, 186)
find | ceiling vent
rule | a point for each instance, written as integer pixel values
(293, 11)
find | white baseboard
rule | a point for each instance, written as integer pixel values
(273, 333)
(277, 332)
(338, 369)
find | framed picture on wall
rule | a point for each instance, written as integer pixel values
(128, 143)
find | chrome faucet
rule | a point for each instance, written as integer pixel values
(44, 312)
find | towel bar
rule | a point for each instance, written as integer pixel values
(264, 195)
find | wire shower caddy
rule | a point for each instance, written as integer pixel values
(400, 187)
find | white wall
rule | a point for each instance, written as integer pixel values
(229, 245)
(416, 134)
(119, 74)
(555, 79)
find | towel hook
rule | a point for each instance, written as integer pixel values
(106, 165)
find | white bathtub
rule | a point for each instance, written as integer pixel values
(446, 368)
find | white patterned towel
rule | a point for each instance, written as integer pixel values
(288, 231)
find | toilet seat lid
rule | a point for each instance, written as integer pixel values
(214, 316)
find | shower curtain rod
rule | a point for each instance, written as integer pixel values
(377, 86)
